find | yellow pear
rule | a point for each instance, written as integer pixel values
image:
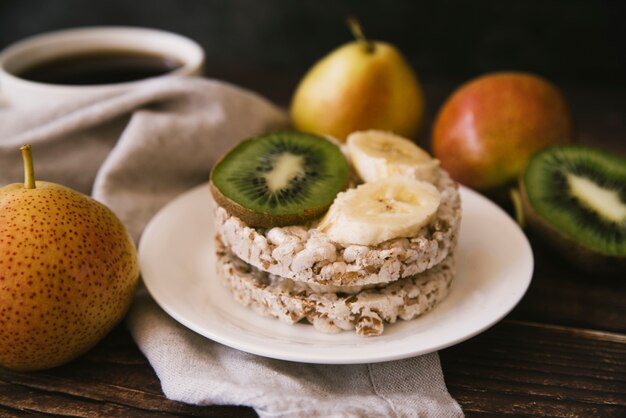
(361, 85)
(68, 269)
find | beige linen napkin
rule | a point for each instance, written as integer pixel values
(137, 150)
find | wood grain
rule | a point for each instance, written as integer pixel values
(559, 294)
(113, 380)
(516, 368)
(538, 370)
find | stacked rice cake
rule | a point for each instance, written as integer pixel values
(304, 271)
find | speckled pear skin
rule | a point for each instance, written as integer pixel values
(68, 270)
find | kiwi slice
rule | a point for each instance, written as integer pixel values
(575, 196)
(279, 179)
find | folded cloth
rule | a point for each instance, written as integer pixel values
(137, 150)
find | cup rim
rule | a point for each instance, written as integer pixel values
(81, 35)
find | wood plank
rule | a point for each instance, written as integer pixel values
(537, 370)
(515, 368)
(59, 397)
(562, 295)
(20, 398)
(113, 379)
(585, 333)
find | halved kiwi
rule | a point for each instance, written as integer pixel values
(279, 179)
(575, 197)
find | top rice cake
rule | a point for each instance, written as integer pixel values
(304, 253)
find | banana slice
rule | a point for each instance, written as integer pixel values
(384, 209)
(378, 154)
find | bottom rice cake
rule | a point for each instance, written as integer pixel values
(333, 309)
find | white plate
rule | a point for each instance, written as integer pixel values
(494, 263)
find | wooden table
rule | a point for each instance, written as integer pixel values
(561, 352)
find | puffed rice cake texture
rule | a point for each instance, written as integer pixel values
(304, 253)
(366, 310)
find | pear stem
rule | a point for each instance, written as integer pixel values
(29, 170)
(357, 32)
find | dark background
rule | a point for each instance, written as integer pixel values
(267, 45)
(580, 41)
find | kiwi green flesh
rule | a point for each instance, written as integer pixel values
(249, 183)
(579, 217)
(577, 254)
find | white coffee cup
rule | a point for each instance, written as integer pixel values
(31, 51)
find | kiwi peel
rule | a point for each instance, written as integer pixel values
(574, 197)
(279, 179)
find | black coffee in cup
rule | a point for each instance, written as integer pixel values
(99, 67)
(85, 63)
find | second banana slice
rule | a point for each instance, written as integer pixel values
(381, 210)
